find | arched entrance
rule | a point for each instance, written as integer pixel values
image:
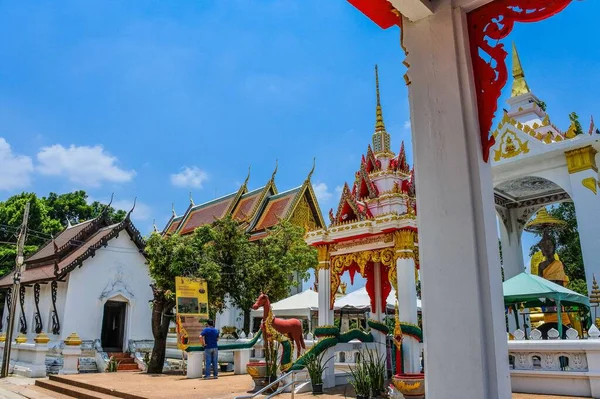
(114, 325)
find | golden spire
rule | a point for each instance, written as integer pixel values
(381, 138)
(595, 294)
(519, 86)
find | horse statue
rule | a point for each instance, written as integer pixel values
(279, 328)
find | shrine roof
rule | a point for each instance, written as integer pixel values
(174, 224)
(74, 252)
(200, 215)
(61, 239)
(276, 208)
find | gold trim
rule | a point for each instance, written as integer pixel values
(590, 183)
(41, 338)
(510, 146)
(21, 339)
(581, 159)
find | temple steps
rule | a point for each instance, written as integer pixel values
(126, 362)
(81, 390)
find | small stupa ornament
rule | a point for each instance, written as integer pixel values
(595, 294)
(543, 222)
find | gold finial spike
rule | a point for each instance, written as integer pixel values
(191, 199)
(173, 209)
(275, 171)
(247, 177)
(379, 126)
(519, 86)
(312, 170)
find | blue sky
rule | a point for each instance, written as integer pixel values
(156, 99)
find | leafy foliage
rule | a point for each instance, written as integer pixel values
(568, 247)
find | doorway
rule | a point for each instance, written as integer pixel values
(113, 326)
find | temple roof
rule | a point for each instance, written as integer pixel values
(257, 210)
(71, 248)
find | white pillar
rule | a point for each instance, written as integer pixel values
(583, 174)
(325, 310)
(195, 364)
(407, 311)
(71, 355)
(512, 250)
(458, 240)
(241, 358)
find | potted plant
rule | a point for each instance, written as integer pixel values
(113, 365)
(315, 367)
(271, 363)
(376, 370)
(359, 379)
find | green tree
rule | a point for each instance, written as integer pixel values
(169, 257)
(568, 247)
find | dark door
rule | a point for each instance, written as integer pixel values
(113, 326)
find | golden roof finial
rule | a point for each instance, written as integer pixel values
(379, 126)
(173, 209)
(247, 177)
(275, 171)
(519, 86)
(381, 138)
(191, 199)
(312, 170)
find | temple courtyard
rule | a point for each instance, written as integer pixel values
(140, 385)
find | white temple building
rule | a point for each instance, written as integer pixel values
(92, 280)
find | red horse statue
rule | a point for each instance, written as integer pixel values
(291, 328)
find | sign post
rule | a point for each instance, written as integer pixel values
(191, 310)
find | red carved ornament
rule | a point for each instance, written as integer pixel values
(488, 25)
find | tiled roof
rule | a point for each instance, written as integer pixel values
(247, 203)
(174, 225)
(77, 254)
(276, 208)
(61, 239)
(206, 213)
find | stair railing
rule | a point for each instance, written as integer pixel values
(275, 383)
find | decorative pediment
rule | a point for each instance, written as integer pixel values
(371, 163)
(364, 187)
(348, 208)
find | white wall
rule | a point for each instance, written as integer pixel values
(117, 272)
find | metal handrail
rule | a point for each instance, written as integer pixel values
(281, 377)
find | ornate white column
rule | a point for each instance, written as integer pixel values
(583, 174)
(406, 294)
(463, 313)
(325, 311)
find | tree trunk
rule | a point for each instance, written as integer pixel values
(247, 324)
(161, 317)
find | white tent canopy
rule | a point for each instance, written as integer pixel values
(295, 306)
(359, 300)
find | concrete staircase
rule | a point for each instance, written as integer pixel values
(81, 390)
(126, 362)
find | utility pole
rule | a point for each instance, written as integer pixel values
(15, 293)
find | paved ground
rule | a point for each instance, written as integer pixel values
(170, 386)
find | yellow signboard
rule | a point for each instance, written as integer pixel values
(191, 310)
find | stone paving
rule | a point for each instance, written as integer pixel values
(171, 386)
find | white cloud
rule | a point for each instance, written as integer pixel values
(407, 125)
(15, 170)
(322, 193)
(339, 189)
(90, 166)
(192, 177)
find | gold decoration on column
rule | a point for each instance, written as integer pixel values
(404, 244)
(21, 339)
(581, 159)
(41, 338)
(323, 257)
(3, 337)
(590, 183)
(73, 340)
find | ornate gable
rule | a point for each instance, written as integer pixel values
(372, 164)
(305, 211)
(363, 186)
(348, 209)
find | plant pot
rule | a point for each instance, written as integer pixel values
(317, 388)
(412, 386)
(258, 372)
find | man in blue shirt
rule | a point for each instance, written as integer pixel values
(209, 337)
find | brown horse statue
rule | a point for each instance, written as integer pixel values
(291, 328)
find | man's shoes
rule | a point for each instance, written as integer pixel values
(215, 377)
(206, 377)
